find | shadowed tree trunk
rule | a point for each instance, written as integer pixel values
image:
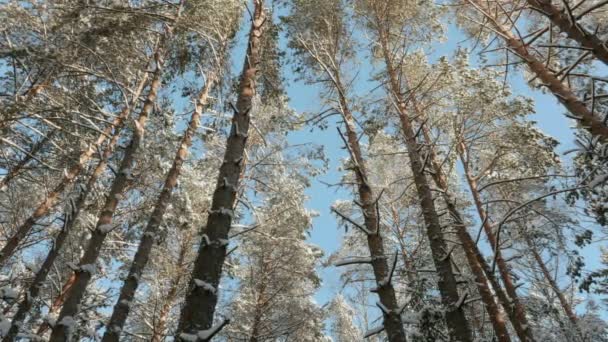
(521, 326)
(472, 253)
(86, 266)
(160, 325)
(392, 319)
(201, 298)
(455, 317)
(148, 238)
(568, 310)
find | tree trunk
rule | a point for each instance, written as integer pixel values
(17, 169)
(158, 330)
(40, 277)
(521, 322)
(392, 319)
(456, 320)
(62, 330)
(68, 177)
(561, 18)
(472, 253)
(127, 292)
(568, 310)
(197, 313)
(564, 94)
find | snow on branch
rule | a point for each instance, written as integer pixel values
(205, 335)
(373, 331)
(353, 261)
(205, 286)
(349, 220)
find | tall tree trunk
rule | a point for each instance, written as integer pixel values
(456, 320)
(568, 310)
(392, 319)
(45, 268)
(199, 308)
(522, 327)
(17, 169)
(148, 238)
(569, 25)
(68, 177)
(83, 274)
(160, 325)
(587, 120)
(472, 253)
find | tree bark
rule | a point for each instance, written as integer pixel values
(570, 26)
(68, 177)
(127, 292)
(45, 268)
(587, 120)
(17, 169)
(158, 330)
(521, 322)
(199, 308)
(458, 326)
(392, 319)
(472, 253)
(62, 330)
(568, 310)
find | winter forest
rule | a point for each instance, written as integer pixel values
(304, 170)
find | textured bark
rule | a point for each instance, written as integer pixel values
(17, 169)
(69, 176)
(564, 94)
(391, 320)
(197, 313)
(62, 332)
(495, 311)
(560, 18)
(160, 325)
(45, 268)
(127, 292)
(521, 322)
(568, 310)
(448, 288)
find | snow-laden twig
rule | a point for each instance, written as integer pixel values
(349, 220)
(373, 331)
(205, 335)
(205, 286)
(353, 261)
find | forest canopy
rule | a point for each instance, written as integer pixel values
(304, 170)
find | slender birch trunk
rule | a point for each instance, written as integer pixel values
(17, 169)
(45, 268)
(83, 274)
(587, 120)
(69, 176)
(127, 292)
(521, 322)
(569, 25)
(199, 308)
(458, 326)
